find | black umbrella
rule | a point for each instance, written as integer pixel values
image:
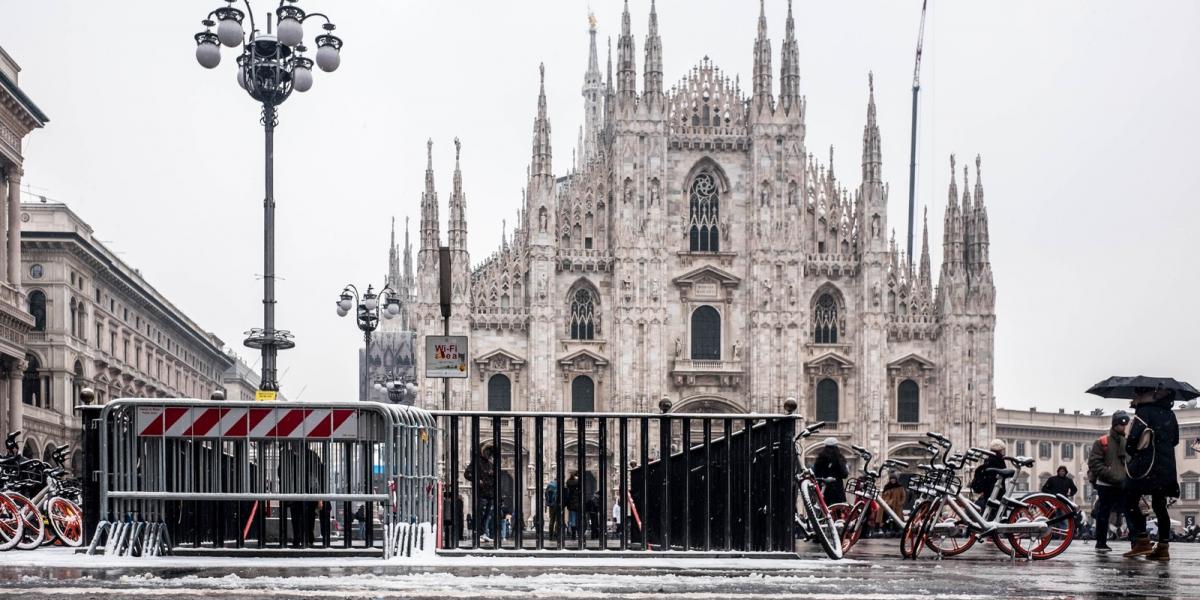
(1124, 387)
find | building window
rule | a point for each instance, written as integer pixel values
(706, 334)
(74, 314)
(908, 402)
(1068, 451)
(31, 383)
(583, 315)
(583, 394)
(1020, 448)
(1044, 451)
(827, 401)
(825, 320)
(1191, 490)
(77, 383)
(1189, 449)
(499, 393)
(703, 227)
(37, 308)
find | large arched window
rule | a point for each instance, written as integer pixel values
(825, 320)
(78, 382)
(499, 393)
(583, 394)
(908, 402)
(704, 232)
(37, 308)
(827, 401)
(706, 334)
(583, 315)
(30, 382)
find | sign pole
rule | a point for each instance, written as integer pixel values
(444, 292)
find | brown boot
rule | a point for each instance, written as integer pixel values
(1160, 552)
(1141, 547)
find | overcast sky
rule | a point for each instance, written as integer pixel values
(1084, 112)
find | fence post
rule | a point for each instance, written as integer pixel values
(89, 471)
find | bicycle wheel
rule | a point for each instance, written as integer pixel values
(11, 525)
(31, 521)
(851, 519)
(66, 518)
(1056, 538)
(823, 527)
(948, 535)
(912, 539)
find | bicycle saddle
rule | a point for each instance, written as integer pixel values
(1001, 473)
(1020, 461)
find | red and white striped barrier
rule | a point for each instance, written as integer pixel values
(239, 422)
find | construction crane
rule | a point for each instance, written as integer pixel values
(912, 159)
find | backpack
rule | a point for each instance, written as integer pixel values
(1140, 455)
(552, 493)
(979, 480)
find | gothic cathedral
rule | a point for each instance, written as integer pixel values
(697, 252)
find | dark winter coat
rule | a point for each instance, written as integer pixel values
(1106, 461)
(983, 482)
(1060, 484)
(1151, 470)
(487, 477)
(574, 499)
(831, 463)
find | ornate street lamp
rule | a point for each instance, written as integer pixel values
(269, 68)
(369, 308)
(399, 389)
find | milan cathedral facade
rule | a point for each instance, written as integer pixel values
(697, 251)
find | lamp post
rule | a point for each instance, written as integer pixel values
(269, 68)
(369, 307)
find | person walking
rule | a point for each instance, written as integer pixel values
(1150, 469)
(1060, 483)
(1106, 471)
(553, 504)
(830, 464)
(574, 502)
(893, 495)
(983, 482)
(486, 488)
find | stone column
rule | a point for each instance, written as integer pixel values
(16, 410)
(14, 227)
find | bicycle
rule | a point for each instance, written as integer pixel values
(1038, 527)
(820, 523)
(854, 517)
(39, 495)
(12, 526)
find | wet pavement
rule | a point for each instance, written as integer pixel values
(872, 570)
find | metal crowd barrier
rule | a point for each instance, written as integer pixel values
(586, 482)
(214, 474)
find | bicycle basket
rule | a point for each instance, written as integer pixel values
(862, 486)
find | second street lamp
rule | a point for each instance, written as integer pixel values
(269, 68)
(368, 308)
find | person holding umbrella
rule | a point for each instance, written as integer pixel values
(1150, 450)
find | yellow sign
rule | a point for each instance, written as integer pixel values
(261, 395)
